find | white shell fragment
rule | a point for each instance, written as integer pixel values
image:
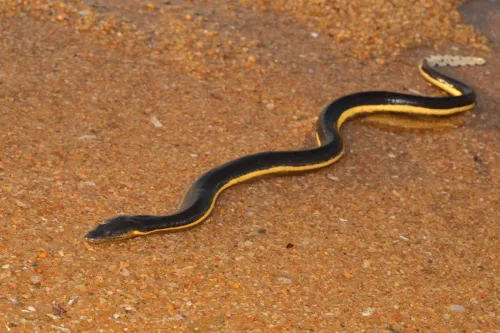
(155, 122)
(368, 312)
(453, 60)
(457, 308)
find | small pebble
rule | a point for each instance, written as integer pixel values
(333, 178)
(270, 106)
(55, 317)
(124, 272)
(284, 280)
(368, 312)
(457, 308)
(22, 204)
(179, 317)
(36, 279)
(72, 300)
(87, 137)
(155, 122)
(128, 308)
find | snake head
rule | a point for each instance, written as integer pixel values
(121, 227)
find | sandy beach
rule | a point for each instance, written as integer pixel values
(116, 107)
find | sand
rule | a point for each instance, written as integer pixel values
(111, 107)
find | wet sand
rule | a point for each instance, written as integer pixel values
(111, 107)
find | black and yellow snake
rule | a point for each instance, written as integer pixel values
(201, 197)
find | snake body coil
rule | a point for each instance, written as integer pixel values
(201, 197)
